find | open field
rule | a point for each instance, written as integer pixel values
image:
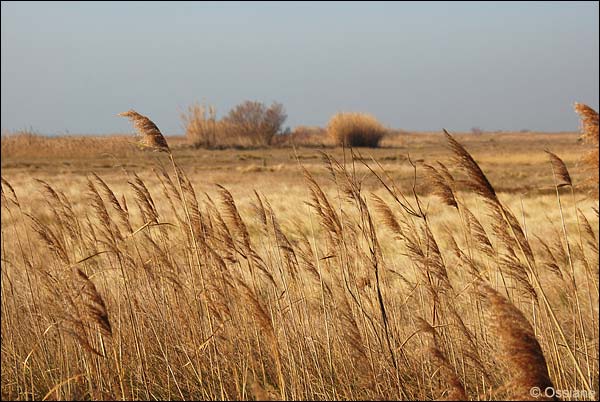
(312, 273)
(514, 162)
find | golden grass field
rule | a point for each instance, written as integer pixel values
(300, 273)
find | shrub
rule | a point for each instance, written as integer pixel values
(356, 130)
(254, 121)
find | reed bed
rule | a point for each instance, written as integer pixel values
(367, 297)
(27, 144)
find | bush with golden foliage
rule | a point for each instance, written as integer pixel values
(200, 123)
(356, 130)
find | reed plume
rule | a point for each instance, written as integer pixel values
(589, 135)
(93, 303)
(12, 191)
(561, 173)
(519, 350)
(150, 135)
(454, 388)
(440, 185)
(589, 122)
(482, 241)
(478, 182)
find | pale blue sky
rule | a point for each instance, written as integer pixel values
(418, 66)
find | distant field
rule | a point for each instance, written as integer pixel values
(300, 278)
(515, 162)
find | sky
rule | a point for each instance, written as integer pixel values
(70, 67)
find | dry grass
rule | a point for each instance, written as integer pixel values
(355, 130)
(25, 145)
(341, 277)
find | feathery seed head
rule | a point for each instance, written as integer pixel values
(151, 137)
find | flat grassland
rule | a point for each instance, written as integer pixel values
(514, 162)
(299, 273)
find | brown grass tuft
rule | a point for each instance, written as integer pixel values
(356, 130)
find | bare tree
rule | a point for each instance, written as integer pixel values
(253, 120)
